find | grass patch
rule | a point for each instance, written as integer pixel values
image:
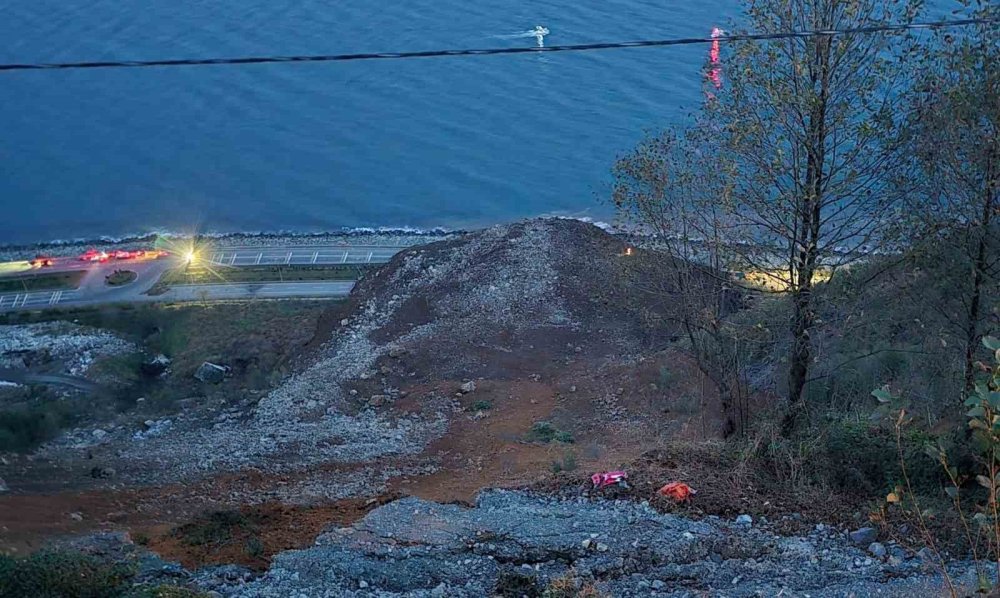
(251, 274)
(481, 405)
(49, 281)
(120, 277)
(546, 432)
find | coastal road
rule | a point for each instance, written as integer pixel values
(302, 256)
(94, 291)
(261, 290)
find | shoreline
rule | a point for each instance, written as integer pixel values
(359, 236)
(389, 236)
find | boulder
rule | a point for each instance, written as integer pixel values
(865, 535)
(468, 387)
(102, 472)
(156, 366)
(211, 373)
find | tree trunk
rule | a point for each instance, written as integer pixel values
(808, 240)
(978, 279)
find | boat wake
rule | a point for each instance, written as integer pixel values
(538, 33)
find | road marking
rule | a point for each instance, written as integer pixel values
(315, 255)
(56, 296)
(259, 255)
(344, 261)
(370, 256)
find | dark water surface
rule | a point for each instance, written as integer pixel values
(450, 142)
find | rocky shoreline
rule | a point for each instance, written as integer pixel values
(397, 238)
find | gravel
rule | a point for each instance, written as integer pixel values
(77, 347)
(413, 547)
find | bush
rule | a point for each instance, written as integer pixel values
(51, 574)
(164, 591)
(514, 584)
(482, 406)
(568, 463)
(546, 432)
(216, 528)
(24, 428)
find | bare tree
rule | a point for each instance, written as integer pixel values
(804, 134)
(666, 188)
(953, 139)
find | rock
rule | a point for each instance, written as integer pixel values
(345, 322)
(211, 373)
(3, 486)
(601, 547)
(865, 535)
(156, 366)
(152, 429)
(572, 388)
(102, 472)
(877, 549)
(98, 434)
(468, 387)
(658, 584)
(397, 352)
(76, 516)
(927, 555)
(587, 543)
(744, 520)
(377, 400)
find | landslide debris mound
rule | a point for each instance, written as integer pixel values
(533, 312)
(534, 287)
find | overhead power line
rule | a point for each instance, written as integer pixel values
(493, 51)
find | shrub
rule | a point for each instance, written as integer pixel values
(253, 547)
(514, 584)
(63, 574)
(216, 528)
(568, 463)
(24, 428)
(546, 432)
(482, 406)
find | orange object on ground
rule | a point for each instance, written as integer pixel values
(678, 491)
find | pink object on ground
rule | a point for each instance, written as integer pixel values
(609, 478)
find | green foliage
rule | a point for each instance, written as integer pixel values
(564, 437)
(217, 528)
(253, 547)
(25, 427)
(514, 584)
(61, 574)
(119, 369)
(567, 463)
(482, 405)
(164, 591)
(546, 432)
(667, 377)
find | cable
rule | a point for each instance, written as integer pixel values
(493, 51)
